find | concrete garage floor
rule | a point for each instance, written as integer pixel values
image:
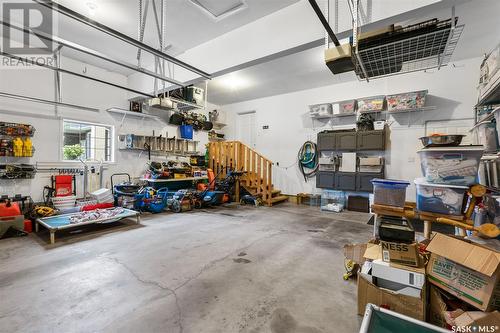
(233, 269)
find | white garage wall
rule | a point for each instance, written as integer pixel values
(40, 83)
(452, 90)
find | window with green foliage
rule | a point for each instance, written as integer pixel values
(87, 142)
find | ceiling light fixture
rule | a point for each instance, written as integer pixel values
(233, 81)
(92, 6)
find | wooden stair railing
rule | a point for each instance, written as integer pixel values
(234, 155)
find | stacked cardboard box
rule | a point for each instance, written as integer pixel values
(458, 279)
(397, 287)
(465, 278)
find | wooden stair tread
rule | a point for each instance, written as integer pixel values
(275, 192)
(279, 199)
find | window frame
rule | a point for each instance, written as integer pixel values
(61, 141)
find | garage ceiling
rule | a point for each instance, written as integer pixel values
(188, 25)
(306, 69)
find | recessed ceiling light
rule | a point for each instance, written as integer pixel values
(92, 6)
(220, 9)
(233, 81)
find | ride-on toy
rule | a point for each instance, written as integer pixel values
(151, 200)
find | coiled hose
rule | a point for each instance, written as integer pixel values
(308, 159)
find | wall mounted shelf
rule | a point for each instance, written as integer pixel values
(425, 108)
(219, 125)
(185, 105)
(127, 113)
(159, 145)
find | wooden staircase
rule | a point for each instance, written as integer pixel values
(234, 155)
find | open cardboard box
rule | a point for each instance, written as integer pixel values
(414, 307)
(459, 316)
(468, 271)
(368, 292)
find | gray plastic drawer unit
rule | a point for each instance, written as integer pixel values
(364, 181)
(325, 179)
(345, 141)
(345, 181)
(326, 141)
(371, 140)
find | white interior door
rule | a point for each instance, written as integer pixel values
(246, 128)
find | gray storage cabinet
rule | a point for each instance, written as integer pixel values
(326, 141)
(364, 181)
(345, 141)
(325, 179)
(345, 181)
(349, 141)
(371, 140)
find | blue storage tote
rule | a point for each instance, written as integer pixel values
(440, 198)
(389, 192)
(186, 131)
(451, 165)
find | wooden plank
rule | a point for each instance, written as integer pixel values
(211, 162)
(267, 194)
(217, 154)
(243, 165)
(427, 229)
(270, 180)
(220, 160)
(259, 173)
(232, 155)
(254, 168)
(247, 165)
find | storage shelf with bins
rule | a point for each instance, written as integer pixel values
(349, 141)
(403, 103)
(169, 103)
(420, 46)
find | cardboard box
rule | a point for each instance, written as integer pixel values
(408, 276)
(401, 253)
(489, 320)
(468, 271)
(437, 308)
(414, 307)
(398, 288)
(355, 252)
(372, 252)
(370, 161)
(445, 308)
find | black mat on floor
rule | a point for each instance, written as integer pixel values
(418, 225)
